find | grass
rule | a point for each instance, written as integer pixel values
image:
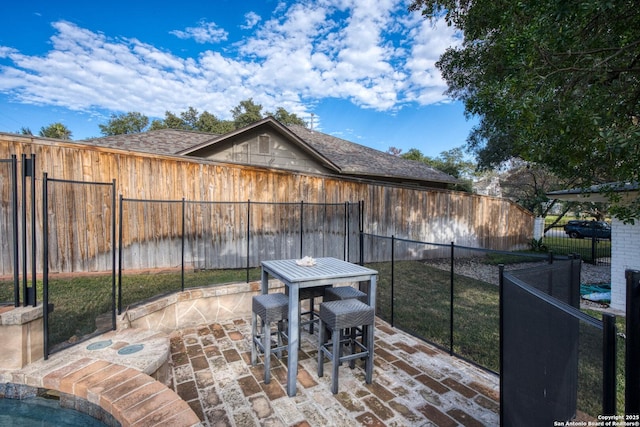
(422, 305)
(620, 360)
(80, 300)
(566, 246)
(563, 245)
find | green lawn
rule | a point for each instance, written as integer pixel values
(80, 299)
(422, 306)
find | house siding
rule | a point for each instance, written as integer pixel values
(625, 255)
(269, 150)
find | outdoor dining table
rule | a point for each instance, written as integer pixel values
(325, 271)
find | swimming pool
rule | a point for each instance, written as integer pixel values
(38, 411)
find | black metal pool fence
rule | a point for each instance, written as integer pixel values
(556, 362)
(594, 246)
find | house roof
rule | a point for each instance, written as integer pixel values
(597, 193)
(342, 156)
(338, 155)
(356, 159)
(161, 141)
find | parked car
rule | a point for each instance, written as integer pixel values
(579, 229)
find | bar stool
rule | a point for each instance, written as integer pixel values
(271, 308)
(337, 316)
(340, 293)
(344, 292)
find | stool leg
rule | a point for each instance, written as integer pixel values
(266, 336)
(311, 316)
(279, 334)
(336, 361)
(352, 335)
(254, 334)
(321, 339)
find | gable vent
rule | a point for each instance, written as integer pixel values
(263, 144)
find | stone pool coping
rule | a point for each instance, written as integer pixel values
(122, 385)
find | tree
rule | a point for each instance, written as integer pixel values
(25, 131)
(287, 118)
(528, 184)
(394, 151)
(157, 124)
(126, 123)
(451, 162)
(246, 113)
(207, 122)
(190, 118)
(173, 121)
(55, 130)
(552, 82)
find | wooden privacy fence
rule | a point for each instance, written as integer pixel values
(409, 212)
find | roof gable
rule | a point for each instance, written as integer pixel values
(228, 147)
(338, 155)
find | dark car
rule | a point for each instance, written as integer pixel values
(579, 229)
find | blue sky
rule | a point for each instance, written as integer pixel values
(364, 68)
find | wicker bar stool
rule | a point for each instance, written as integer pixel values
(271, 308)
(337, 316)
(339, 293)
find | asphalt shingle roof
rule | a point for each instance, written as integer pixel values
(356, 159)
(161, 141)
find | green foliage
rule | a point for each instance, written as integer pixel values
(55, 130)
(528, 184)
(125, 123)
(537, 245)
(287, 118)
(207, 122)
(555, 83)
(246, 113)
(451, 162)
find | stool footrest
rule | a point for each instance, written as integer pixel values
(343, 358)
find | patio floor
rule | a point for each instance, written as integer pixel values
(414, 384)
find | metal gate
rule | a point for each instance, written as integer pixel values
(556, 363)
(79, 218)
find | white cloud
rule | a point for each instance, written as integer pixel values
(251, 20)
(206, 32)
(373, 53)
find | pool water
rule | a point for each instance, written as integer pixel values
(37, 411)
